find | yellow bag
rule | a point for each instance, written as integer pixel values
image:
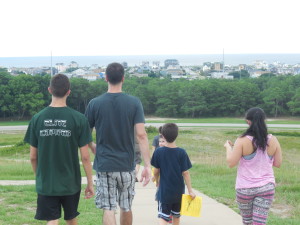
(191, 207)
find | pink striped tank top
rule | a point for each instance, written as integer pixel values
(257, 171)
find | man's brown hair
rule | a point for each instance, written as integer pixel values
(114, 73)
(59, 85)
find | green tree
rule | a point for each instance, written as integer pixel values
(25, 97)
(294, 104)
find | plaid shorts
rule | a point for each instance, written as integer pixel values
(113, 187)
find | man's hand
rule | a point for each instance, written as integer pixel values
(146, 176)
(89, 192)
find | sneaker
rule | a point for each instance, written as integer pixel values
(171, 219)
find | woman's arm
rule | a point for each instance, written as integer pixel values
(233, 152)
(278, 153)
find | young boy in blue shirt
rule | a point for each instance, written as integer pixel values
(171, 171)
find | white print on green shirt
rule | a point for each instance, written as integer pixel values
(55, 132)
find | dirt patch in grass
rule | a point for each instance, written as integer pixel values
(282, 210)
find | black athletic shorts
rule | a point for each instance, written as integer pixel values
(165, 210)
(49, 207)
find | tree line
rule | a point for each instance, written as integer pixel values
(24, 95)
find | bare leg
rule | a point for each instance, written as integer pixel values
(125, 217)
(72, 222)
(176, 221)
(109, 217)
(52, 222)
(162, 222)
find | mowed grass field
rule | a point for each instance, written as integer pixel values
(210, 175)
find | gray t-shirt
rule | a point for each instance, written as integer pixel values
(114, 115)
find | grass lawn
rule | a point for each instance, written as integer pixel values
(210, 175)
(292, 120)
(18, 205)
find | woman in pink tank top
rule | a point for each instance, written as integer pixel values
(255, 152)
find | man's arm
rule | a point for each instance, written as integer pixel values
(92, 146)
(187, 180)
(33, 158)
(142, 138)
(86, 162)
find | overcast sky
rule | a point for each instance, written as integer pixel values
(140, 27)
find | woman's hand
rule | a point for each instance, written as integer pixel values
(228, 144)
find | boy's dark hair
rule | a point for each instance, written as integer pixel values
(114, 73)
(159, 129)
(59, 85)
(170, 132)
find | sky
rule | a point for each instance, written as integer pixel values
(147, 27)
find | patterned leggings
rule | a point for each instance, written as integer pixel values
(254, 203)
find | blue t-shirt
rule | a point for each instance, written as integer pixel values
(114, 115)
(171, 162)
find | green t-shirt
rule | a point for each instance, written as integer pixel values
(114, 115)
(57, 132)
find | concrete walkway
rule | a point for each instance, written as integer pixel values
(212, 213)
(145, 207)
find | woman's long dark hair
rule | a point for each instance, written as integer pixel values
(258, 128)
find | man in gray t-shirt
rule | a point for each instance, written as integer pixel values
(115, 115)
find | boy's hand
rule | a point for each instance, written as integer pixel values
(192, 194)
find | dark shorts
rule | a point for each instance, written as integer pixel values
(165, 210)
(49, 207)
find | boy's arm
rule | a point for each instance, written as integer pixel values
(156, 175)
(33, 158)
(85, 158)
(187, 179)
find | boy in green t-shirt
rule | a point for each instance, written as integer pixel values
(54, 135)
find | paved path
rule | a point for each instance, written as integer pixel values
(145, 208)
(213, 213)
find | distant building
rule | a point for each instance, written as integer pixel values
(221, 75)
(79, 72)
(206, 68)
(73, 64)
(175, 70)
(259, 64)
(155, 65)
(90, 76)
(258, 73)
(139, 75)
(217, 66)
(94, 66)
(171, 62)
(242, 66)
(145, 64)
(60, 67)
(125, 65)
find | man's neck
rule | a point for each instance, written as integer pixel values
(114, 88)
(58, 102)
